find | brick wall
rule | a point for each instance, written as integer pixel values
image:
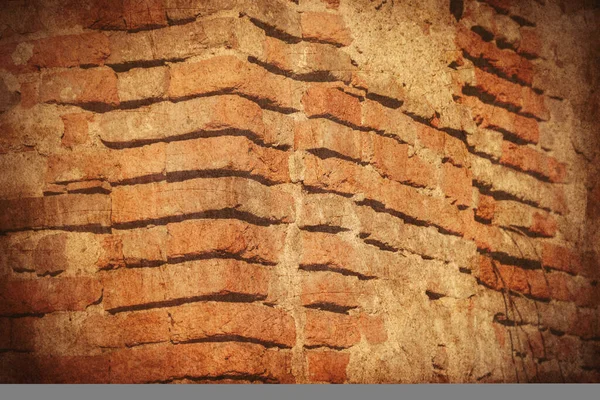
(299, 191)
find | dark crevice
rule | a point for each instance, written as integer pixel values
(507, 259)
(501, 195)
(232, 377)
(324, 228)
(124, 67)
(315, 76)
(142, 180)
(218, 255)
(93, 228)
(522, 21)
(388, 102)
(486, 35)
(331, 307)
(487, 65)
(457, 8)
(325, 346)
(225, 213)
(464, 270)
(336, 269)
(325, 153)
(181, 176)
(493, 101)
(380, 245)
(224, 297)
(433, 295)
(274, 32)
(236, 338)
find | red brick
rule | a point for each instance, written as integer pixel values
(80, 87)
(327, 366)
(229, 237)
(76, 129)
(104, 14)
(322, 100)
(531, 44)
(50, 256)
(55, 211)
(186, 10)
(46, 295)
(560, 286)
(230, 74)
(457, 184)
(143, 14)
(506, 61)
(126, 329)
(560, 258)
(330, 289)
(372, 327)
(329, 329)
(325, 27)
(212, 321)
(279, 15)
(487, 273)
(514, 278)
(538, 285)
(544, 224)
(70, 50)
(230, 154)
(485, 207)
(205, 278)
(391, 121)
(200, 360)
(529, 160)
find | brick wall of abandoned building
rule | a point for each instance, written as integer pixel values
(353, 191)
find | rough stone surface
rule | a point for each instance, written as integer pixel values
(299, 191)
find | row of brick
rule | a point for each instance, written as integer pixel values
(153, 363)
(537, 283)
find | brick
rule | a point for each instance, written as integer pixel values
(213, 321)
(308, 61)
(155, 201)
(325, 27)
(94, 86)
(39, 127)
(186, 10)
(560, 286)
(64, 211)
(47, 295)
(228, 237)
(85, 49)
(104, 14)
(329, 289)
(178, 42)
(535, 221)
(391, 121)
(330, 251)
(134, 247)
(321, 100)
(327, 366)
(502, 120)
(147, 287)
(231, 74)
(225, 153)
(530, 45)
(144, 14)
(324, 134)
(560, 258)
(486, 207)
(507, 62)
(278, 15)
(126, 329)
(487, 273)
(529, 160)
(22, 175)
(50, 255)
(538, 285)
(446, 146)
(591, 355)
(114, 166)
(164, 363)
(372, 327)
(76, 129)
(206, 114)
(329, 329)
(494, 239)
(456, 184)
(143, 84)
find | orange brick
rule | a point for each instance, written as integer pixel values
(321, 100)
(544, 224)
(197, 279)
(457, 184)
(325, 27)
(485, 207)
(560, 286)
(560, 258)
(530, 160)
(373, 329)
(46, 295)
(70, 51)
(327, 366)
(50, 256)
(81, 87)
(76, 129)
(144, 14)
(329, 329)
(538, 285)
(330, 289)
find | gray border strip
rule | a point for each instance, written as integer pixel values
(265, 392)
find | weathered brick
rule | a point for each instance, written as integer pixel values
(187, 10)
(113, 166)
(143, 84)
(125, 287)
(372, 327)
(134, 247)
(126, 329)
(206, 114)
(200, 360)
(89, 87)
(213, 321)
(325, 27)
(530, 160)
(391, 121)
(278, 15)
(560, 258)
(144, 14)
(530, 44)
(456, 183)
(329, 329)
(321, 100)
(327, 366)
(226, 153)
(231, 237)
(327, 289)
(446, 146)
(85, 49)
(46, 295)
(22, 174)
(170, 200)
(244, 78)
(512, 213)
(486, 207)
(72, 210)
(76, 129)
